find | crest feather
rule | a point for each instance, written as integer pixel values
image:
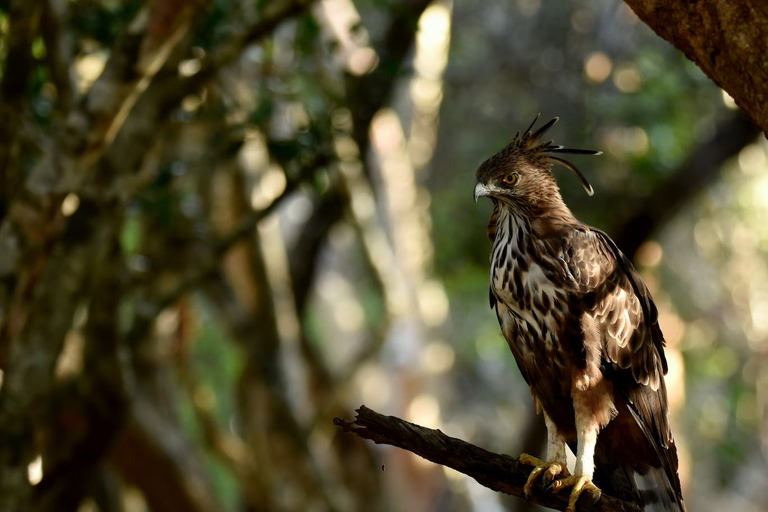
(529, 143)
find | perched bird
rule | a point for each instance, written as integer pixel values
(584, 331)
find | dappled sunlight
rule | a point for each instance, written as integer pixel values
(88, 68)
(70, 362)
(35, 471)
(70, 204)
(353, 50)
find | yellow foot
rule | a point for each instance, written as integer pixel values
(580, 484)
(550, 470)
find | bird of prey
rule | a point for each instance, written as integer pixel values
(584, 331)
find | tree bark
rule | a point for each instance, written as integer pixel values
(500, 473)
(725, 38)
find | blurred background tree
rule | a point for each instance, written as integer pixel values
(223, 223)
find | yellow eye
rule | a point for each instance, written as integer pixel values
(510, 179)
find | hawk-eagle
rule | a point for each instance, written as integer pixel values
(584, 331)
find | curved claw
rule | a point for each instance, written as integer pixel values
(550, 470)
(580, 484)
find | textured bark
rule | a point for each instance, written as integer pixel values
(501, 473)
(725, 38)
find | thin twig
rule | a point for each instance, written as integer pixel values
(500, 473)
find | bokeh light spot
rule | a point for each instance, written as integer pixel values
(597, 67)
(70, 204)
(424, 410)
(729, 102)
(374, 385)
(437, 357)
(35, 471)
(362, 61)
(627, 79)
(649, 254)
(433, 303)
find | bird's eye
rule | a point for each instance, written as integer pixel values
(510, 179)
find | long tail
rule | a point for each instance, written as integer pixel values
(657, 493)
(652, 490)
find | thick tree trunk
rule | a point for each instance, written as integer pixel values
(725, 38)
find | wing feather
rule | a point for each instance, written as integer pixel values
(633, 344)
(622, 304)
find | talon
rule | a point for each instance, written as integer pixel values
(553, 471)
(580, 484)
(549, 469)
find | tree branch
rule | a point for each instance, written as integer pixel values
(19, 62)
(501, 473)
(725, 38)
(55, 30)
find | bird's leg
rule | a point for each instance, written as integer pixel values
(554, 465)
(587, 428)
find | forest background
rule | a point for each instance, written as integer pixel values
(225, 222)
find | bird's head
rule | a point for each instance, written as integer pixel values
(521, 173)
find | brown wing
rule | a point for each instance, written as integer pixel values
(613, 294)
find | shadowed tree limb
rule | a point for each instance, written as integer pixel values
(24, 20)
(701, 169)
(153, 454)
(55, 26)
(501, 473)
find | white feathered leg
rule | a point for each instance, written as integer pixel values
(587, 427)
(554, 466)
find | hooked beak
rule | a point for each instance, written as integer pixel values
(481, 190)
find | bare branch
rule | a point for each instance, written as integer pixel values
(501, 473)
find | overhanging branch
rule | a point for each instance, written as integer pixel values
(725, 38)
(500, 473)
